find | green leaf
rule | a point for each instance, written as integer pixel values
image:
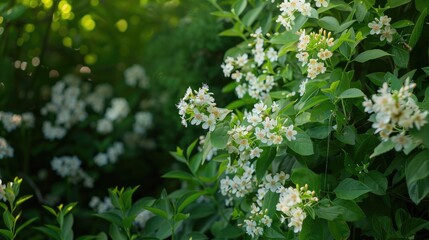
(329, 23)
(417, 31)
(350, 189)
(377, 78)
(352, 93)
(223, 14)
(417, 176)
(383, 147)
(302, 118)
(117, 233)
(251, 15)
(263, 162)
(396, 3)
(23, 199)
(158, 212)
(178, 155)
(314, 229)
(376, 181)
(349, 210)
(219, 137)
(284, 38)
(230, 87)
(402, 24)
(110, 217)
(421, 5)
(347, 135)
(370, 55)
(304, 176)
(179, 174)
(400, 57)
(302, 145)
(239, 6)
(232, 32)
(66, 229)
(8, 220)
(25, 224)
(339, 229)
(191, 148)
(303, 106)
(320, 132)
(189, 198)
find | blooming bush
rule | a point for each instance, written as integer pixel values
(327, 137)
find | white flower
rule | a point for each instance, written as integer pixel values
(290, 133)
(101, 159)
(104, 126)
(320, 3)
(255, 152)
(118, 110)
(209, 122)
(375, 27)
(272, 54)
(6, 151)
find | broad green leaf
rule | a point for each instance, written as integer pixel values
(350, 211)
(302, 118)
(402, 23)
(25, 224)
(329, 23)
(347, 135)
(421, 5)
(270, 200)
(417, 176)
(223, 14)
(264, 162)
(232, 32)
(339, 229)
(361, 11)
(370, 55)
(314, 229)
(110, 217)
(284, 38)
(251, 15)
(239, 6)
(417, 31)
(352, 93)
(191, 148)
(350, 189)
(271, 233)
(178, 174)
(400, 57)
(320, 132)
(219, 137)
(229, 87)
(303, 106)
(117, 233)
(190, 198)
(302, 144)
(396, 3)
(8, 219)
(304, 176)
(376, 181)
(383, 147)
(158, 212)
(377, 78)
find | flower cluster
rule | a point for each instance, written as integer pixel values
(96, 99)
(241, 184)
(199, 107)
(254, 225)
(258, 129)
(313, 51)
(288, 9)
(143, 122)
(257, 86)
(66, 106)
(136, 76)
(292, 203)
(11, 121)
(6, 151)
(100, 205)
(2, 191)
(69, 167)
(110, 156)
(395, 112)
(381, 26)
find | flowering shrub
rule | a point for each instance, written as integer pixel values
(327, 139)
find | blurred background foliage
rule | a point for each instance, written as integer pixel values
(41, 41)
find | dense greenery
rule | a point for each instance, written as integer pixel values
(326, 136)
